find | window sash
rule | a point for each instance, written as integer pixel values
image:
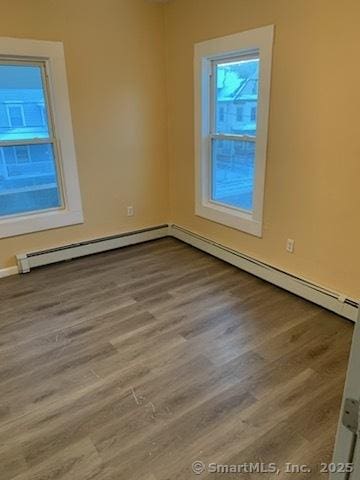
(36, 141)
(210, 179)
(235, 137)
(225, 59)
(50, 140)
(48, 111)
(214, 134)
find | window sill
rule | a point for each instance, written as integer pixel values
(20, 225)
(230, 217)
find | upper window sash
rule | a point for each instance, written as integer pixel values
(226, 59)
(48, 134)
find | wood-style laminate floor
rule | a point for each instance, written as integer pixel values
(135, 363)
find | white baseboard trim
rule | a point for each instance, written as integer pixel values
(6, 272)
(29, 260)
(336, 302)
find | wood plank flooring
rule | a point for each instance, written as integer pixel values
(135, 363)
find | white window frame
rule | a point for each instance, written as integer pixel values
(259, 40)
(70, 213)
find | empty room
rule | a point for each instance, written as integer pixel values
(179, 239)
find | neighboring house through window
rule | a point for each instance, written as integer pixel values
(232, 91)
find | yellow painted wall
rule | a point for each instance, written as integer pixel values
(116, 72)
(114, 52)
(313, 169)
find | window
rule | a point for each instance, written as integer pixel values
(38, 176)
(239, 114)
(221, 114)
(230, 149)
(253, 114)
(22, 154)
(16, 115)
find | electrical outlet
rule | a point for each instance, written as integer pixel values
(130, 211)
(290, 244)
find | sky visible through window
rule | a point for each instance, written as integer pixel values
(233, 161)
(28, 177)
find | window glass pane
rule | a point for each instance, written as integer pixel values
(22, 103)
(233, 173)
(237, 96)
(28, 179)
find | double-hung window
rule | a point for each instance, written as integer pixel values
(39, 186)
(232, 90)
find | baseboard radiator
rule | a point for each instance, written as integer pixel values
(27, 261)
(334, 301)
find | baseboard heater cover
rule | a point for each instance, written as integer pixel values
(333, 301)
(337, 303)
(27, 261)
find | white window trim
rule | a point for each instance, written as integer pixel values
(261, 40)
(52, 53)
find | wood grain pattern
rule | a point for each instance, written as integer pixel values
(133, 364)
